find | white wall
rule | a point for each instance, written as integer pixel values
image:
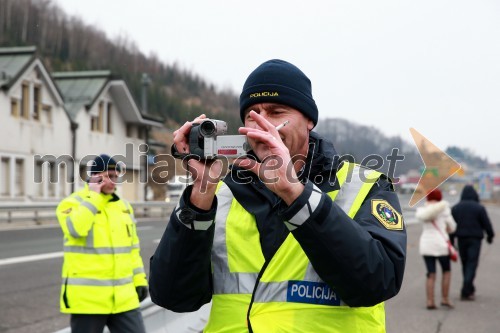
(21, 139)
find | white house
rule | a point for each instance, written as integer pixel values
(52, 125)
(33, 122)
(107, 120)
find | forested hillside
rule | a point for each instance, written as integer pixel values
(67, 44)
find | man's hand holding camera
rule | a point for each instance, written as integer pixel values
(205, 173)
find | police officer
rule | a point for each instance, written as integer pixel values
(290, 240)
(103, 274)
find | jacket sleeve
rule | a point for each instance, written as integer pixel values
(360, 258)
(76, 214)
(180, 276)
(451, 225)
(486, 224)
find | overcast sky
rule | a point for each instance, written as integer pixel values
(430, 64)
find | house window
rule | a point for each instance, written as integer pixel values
(19, 182)
(37, 101)
(142, 133)
(108, 120)
(14, 108)
(62, 180)
(94, 126)
(25, 101)
(47, 112)
(101, 117)
(97, 122)
(39, 178)
(5, 176)
(52, 178)
(130, 130)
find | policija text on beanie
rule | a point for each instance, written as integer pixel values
(278, 81)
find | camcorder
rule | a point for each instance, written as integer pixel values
(207, 140)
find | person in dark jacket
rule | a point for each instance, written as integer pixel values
(290, 240)
(472, 222)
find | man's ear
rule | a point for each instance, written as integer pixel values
(310, 125)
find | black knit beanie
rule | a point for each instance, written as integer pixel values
(278, 81)
(103, 163)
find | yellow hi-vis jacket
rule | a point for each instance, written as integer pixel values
(102, 264)
(285, 294)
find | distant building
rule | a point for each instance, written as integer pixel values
(109, 122)
(51, 126)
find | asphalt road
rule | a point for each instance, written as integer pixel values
(29, 291)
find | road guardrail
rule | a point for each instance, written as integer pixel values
(38, 213)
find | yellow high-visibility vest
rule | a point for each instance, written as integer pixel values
(102, 264)
(237, 260)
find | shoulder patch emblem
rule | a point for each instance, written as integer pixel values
(67, 211)
(389, 217)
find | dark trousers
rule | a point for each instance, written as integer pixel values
(469, 250)
(125, 322)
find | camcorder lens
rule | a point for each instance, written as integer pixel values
(207, 128)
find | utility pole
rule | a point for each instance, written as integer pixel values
(146, 81)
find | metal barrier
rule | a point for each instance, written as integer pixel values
(17, 213)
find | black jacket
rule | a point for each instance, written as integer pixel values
(471, 217)
(359, 257)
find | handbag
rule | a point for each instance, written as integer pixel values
(451, 249)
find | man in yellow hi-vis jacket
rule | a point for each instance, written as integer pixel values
(103, 278)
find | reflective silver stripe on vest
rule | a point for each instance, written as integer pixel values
(71, 227)
(84, 203)
(224, 281)
(139, 270)
(234, 283)
(129, 207)
(311, 274)
(77, 198)
(306, 211)
(97, 250)
(89, 242)
(90, 206)
(97, 283)
(350, 189)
